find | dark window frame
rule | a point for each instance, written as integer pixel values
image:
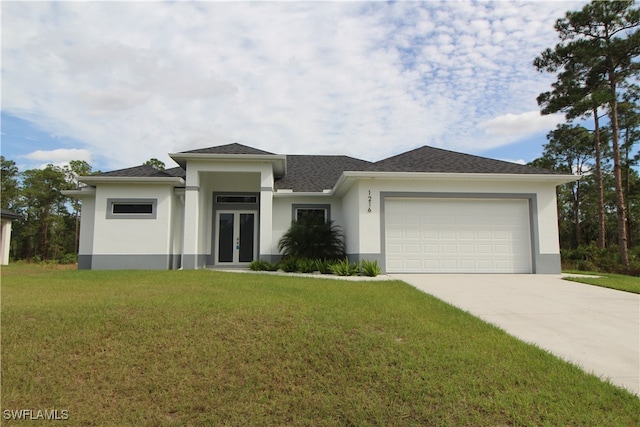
(240, 199)
(112, 205)
(296, 208)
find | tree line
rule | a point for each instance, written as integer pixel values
(596, 67)
(49, 224)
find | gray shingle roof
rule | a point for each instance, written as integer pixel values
(145, 171)
(317, 173)
(178, 172)
(430, 159)
(234, 148)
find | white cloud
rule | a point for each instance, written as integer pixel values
(137, 80)
(60, 155)
(519, 126)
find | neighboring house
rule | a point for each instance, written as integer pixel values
(426, 210)
(6, 218)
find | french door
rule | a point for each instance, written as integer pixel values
(236, 237)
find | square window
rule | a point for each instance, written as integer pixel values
(311, 215)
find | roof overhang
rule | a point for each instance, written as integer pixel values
(80, 192)
(5, 214)
(289, 193)
(97, 179)
(348, 178)
(278, 161)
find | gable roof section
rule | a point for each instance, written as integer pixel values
(233, 152)
(437, 160)
(307, 173)
(143, 174)
(234, 148)
(144, 171)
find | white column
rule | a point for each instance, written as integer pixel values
(87, 230)
(5, 235)
(266, 213)
(190, 248)
(266, 222)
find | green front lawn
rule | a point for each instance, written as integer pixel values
(606, 280)
(212, 348)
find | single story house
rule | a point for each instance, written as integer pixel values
(427, 210)
(6, 219)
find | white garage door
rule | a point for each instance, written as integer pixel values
(457, 236)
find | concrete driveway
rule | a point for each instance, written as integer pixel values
(595, 328)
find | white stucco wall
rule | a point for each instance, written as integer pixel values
(352, 217)
(548, 221)
(133, 236)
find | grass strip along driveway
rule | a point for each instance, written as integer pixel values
(210, 348)
(606, 280)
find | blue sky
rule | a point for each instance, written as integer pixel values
(117, 83)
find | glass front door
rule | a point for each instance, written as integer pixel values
(236, 237)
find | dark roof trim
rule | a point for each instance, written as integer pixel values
(6, 213)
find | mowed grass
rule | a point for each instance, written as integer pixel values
(606, 280)
(145, 348)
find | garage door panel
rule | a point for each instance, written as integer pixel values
(429, 234)
(503, 265)
(430, 265)
(466, 249)
(450, 249)
(485, 265)
(458, 235)
(412, 249)
(483, 249)
(394, 249)
(413, 264)
(467, 264)
(412, 234)
(466, 235)
(483, 235)
(447, 234)
(430, 249)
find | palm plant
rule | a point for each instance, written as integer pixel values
(313, 240)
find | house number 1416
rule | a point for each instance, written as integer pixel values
(369, 198)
